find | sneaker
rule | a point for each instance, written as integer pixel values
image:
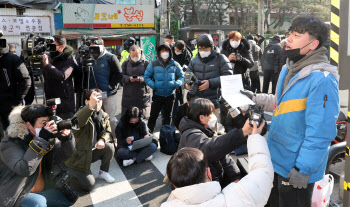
(128, 162)
(149, 158)
(106, 176)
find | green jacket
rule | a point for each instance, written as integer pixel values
(81, 159)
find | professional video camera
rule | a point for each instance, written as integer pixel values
(256, 113)
(34, 47)
(2, 41)
(72, 123)
(192, 80)
(60, 178)
(86, 51)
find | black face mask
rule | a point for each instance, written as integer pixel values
(294, 54)
(133, 124)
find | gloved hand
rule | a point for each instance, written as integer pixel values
(298, 180)
(248, 93)
(45, 134)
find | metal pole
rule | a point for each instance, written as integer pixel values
(164, 24)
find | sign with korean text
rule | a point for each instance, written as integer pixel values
(107, 16)
(14, 25)
(148, 44)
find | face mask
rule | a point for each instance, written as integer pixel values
(204, 54)
(234, 44)
(294, 54)
(135, 59)
(133, 124)
(244, 108)
(164, 55)
(178, 53)
(212, 121)
(37, 131)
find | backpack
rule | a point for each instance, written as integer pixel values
(167, 140)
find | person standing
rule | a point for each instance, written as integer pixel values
(58, 75)
(305, 110)
(135, 91)
(164, 76)
(253, 71)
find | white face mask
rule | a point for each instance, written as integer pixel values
(204, 54)
(234, 44)
(37, 131)
(135, 59)
(178, 53)
(244, 108)
(212, 121)
(164, 55)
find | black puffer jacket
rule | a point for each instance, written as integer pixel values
(14, 78)
(243, 49)
(271, 56)
(59, 80)
(208, 69)
(184, 58)
(215, 150)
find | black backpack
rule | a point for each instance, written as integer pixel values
(167, 140)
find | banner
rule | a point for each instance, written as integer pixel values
(107, 16)
(13, 25)
(149, 46)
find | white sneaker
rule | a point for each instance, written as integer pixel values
(128, 162)
(106, 176)
(149, 158)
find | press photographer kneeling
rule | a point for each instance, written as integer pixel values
(28, 154)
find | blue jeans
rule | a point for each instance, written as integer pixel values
(49, 197)
(141, 154)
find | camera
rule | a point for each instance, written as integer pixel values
(86, 51)
(3, 43)
(103, 95)
(60, 178)
(34, 47)
(192, 80)
(233, 111)
(256, 113)
(238, 57)
(72, 123)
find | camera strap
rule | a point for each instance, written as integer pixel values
(37, 149)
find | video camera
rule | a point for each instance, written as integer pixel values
(34, 47)
(86, 50)
(192, 80)
(3, 43)
(72, 123)
(256, 113)
(233, 111)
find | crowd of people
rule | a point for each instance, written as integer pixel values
(282, 170)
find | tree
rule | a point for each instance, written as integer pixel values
(244, 12)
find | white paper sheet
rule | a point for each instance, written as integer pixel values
(230, 89)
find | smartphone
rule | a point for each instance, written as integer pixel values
(134, 76)
(103, 95)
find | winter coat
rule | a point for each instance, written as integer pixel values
(282, 59)
(137, 132)
(240, 67)
(14, 78)
(58, 75)
(108, 72)
(257, 55)
(184, 58)
(20, 164)
(136, 93)
(81, 160)
(181, 113)
(208, 69)
(271, 56)
(215, 150)
(162, 77)
(252, 190)
(304, 120)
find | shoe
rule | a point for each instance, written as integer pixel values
(128, 162)
(149, 158)
(106, 176)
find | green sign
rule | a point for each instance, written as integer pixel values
(149, 47)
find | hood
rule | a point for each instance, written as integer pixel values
(143, 58)
(196, 194)
(166, 46)
(253, 45)
(67, 53)
(215, 52)
(187, 123)
(17, 127)
(276, 39)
